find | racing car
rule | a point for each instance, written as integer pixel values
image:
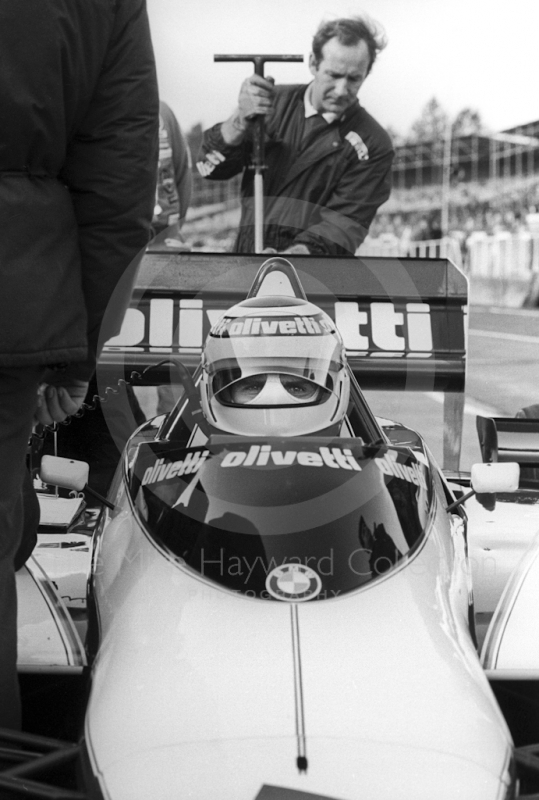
(280, 602)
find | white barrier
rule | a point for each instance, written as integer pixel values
(503, 255)
(503, 268)
(390, 245)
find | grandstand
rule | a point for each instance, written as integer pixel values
(473, 198)
(467, 170)
(512, 153)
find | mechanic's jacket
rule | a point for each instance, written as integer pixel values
(323, 191)
(78, 160)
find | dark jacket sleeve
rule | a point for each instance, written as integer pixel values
(345, 217)
(110, 171)
(236, 157)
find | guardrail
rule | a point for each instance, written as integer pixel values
(503, 268)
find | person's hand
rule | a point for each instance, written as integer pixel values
(297, 249)
(59, 398)
(256, 97)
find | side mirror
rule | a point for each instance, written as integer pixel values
(68, 474)
(495, 477)
(487, 479)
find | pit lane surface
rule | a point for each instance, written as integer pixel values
(502, 377)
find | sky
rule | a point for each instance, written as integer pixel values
(478, 54)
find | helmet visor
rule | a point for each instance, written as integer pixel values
(254, 362)
(271, 389)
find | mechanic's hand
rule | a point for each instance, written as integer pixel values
(59, 398)
(297, 249)
(256, 97)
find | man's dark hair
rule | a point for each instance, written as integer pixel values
(348, 31)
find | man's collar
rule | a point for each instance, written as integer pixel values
(310, 110)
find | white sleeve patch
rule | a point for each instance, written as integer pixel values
(358, 144)
(213, 159)
(205, 168)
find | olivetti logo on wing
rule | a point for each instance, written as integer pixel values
(277, 326)
(262, 455)
(169, 325)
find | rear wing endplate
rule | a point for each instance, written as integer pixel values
(511, 439)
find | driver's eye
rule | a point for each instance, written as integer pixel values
(253, 386)
(247, 389)
(298, 387)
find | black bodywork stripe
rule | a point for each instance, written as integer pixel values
(301, 759)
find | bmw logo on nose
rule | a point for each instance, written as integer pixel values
(293, 582)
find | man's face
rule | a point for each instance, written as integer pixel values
(339, 75)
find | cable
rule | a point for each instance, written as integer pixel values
(41, 431)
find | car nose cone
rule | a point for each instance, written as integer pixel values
(267, 769)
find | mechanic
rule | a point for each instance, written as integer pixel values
(328, 161)
(78, 160)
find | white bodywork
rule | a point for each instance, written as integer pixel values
(48, 639)
(497, 542)
(511, 648)
(198, 690)
(201, 692)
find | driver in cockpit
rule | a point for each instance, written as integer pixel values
(274, 389)
(275, 366)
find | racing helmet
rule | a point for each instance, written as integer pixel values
(274, 365)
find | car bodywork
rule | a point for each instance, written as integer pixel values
(294, 664)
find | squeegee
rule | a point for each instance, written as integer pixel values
(258, 141)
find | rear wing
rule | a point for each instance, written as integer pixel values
(403, 320)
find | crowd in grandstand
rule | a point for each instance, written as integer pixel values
(471, 209)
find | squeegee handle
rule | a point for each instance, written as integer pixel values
(258, 140)
(258, 60)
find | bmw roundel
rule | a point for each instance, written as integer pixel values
(293, 582)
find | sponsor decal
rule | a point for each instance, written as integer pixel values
(358, 144)
(293, 582)
(205, 168)
(262, 455)
(163, 471)
(212, 160)
(168, 325)
(413, 473)
(276, 326)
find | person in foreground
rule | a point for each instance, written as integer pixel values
(328, 160)
(78, 159)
